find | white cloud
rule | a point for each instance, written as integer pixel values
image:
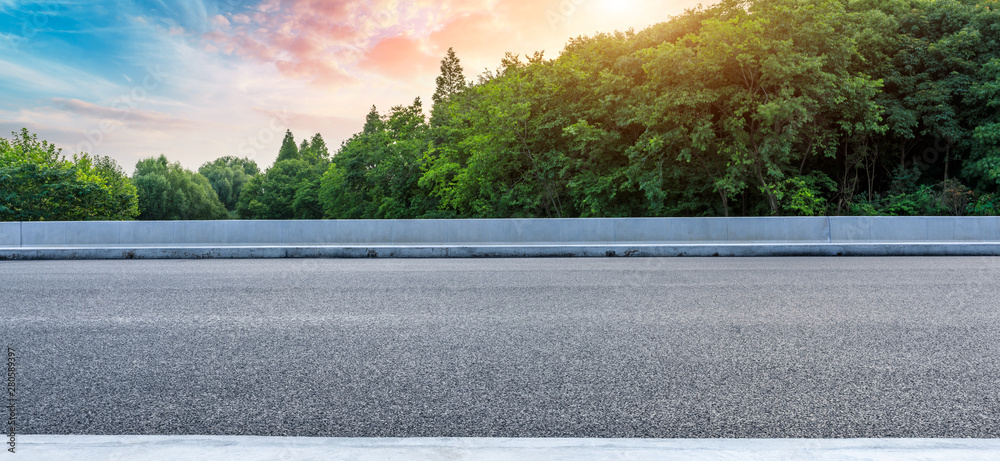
(48, 77)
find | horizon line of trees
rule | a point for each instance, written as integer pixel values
(743, 108)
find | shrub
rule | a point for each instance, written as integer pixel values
(984, 205)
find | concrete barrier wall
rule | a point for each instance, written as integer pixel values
(503, 231)
(10, 234)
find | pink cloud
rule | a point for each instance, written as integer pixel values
(220, 21)
(320, 72)
(316, 40)
(398, 57)
(475, 33)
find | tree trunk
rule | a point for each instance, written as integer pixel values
(947, 157)
(725, 203)
(771, 199)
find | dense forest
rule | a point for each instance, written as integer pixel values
(744, 108)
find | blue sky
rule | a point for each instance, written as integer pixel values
(199, 79)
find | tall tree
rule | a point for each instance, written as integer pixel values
(373, 122)
(316, 151)
(450, 82)
(290, 188)
(288, 149)
(376, 172)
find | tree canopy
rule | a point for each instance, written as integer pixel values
(290, 188)
(742, 108)
(228, 175)
(38, 183)
(167, 191)
(746, 107)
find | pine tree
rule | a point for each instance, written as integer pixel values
(288, 150)
(373, 122)
(318, 147)
(451, 80)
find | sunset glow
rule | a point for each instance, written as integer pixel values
(203, 78)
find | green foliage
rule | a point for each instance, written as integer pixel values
(376, 172)
(271, 195)
(745, 107)
(167, 191)
(228, 175)
(984, 205)
(290, 189)
(750, 107)
(316, 153)
(923, 201)
(450, 82)
(805, 195)
(38, 184)
(288, 150)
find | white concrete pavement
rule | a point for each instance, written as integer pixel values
(251, 448)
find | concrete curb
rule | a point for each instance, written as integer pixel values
(506, 251)
(252, 448)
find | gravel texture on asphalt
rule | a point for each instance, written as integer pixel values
(615, 347)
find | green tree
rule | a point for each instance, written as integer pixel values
(290, 189)
(37, 183)
(167, 191)
(272, 195)
(288, 150)
(314, 150)
(450, 82)
(746, 107)
(763, 87)
(376, 172)
(228, 175)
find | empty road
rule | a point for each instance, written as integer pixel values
(607, 347)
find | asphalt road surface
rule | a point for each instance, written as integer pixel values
(615, 347)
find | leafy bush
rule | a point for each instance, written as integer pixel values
(984, 205)
(863, 205)
(803, 195)
(37, 183)
(921, 202)
(954, 197)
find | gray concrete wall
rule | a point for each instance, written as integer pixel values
(501, 231)
(10, 234)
